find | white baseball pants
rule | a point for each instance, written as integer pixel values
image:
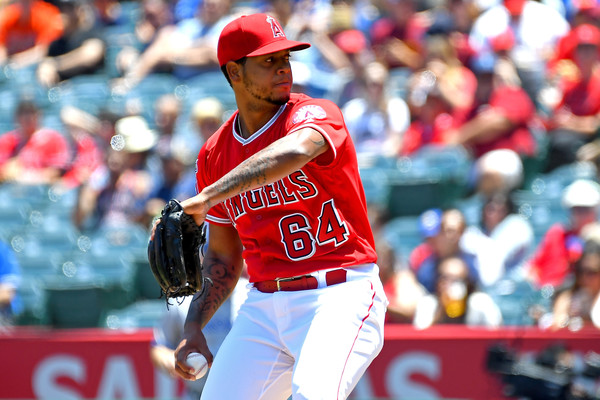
(310, 344)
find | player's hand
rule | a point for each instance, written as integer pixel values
(197, 207)
(195, 342)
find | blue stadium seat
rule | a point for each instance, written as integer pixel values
(33, 299)
(404, 234)
(141, 314)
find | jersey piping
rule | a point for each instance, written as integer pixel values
(238, 136)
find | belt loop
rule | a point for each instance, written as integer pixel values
(320, 275)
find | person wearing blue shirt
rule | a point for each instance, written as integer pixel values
(10, 279)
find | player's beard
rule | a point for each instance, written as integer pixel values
(261, 93)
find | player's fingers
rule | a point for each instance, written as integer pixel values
(185, 372)
(181, 367)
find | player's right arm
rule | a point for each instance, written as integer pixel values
(223, 265)
(279, 159)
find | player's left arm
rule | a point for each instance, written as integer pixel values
(276, 161)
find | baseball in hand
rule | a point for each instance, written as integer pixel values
(199, 363)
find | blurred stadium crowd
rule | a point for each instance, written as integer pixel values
(476, 124)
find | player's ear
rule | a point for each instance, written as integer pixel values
(234, 70)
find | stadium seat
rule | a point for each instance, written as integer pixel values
(89, 93)
(471, 207)
(32, 297)
(403, 234)
(516, 299)
(115, 273)
(141, 314)
(375, 184)
(207, 84)
(72, 303)
(146, 286)
(435, 177)
(127, 240)
(39, 266)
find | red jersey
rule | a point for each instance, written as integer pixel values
(581, 97)
(313, 219)
(556, 255)
(47, 148)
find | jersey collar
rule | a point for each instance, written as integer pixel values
(238, 136)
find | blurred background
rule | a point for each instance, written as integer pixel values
(476, 124)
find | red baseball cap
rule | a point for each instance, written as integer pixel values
(253, 35)
(587, 34)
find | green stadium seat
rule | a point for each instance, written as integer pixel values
(116, 275)
(435, 177)
(72, 303)
(146, 286)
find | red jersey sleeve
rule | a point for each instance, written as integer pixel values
(325, 117)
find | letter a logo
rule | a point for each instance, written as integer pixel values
(277, 30)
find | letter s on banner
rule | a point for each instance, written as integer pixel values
(397, 380)
(45, 376)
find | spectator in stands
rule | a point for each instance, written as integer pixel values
(106, 130)
(175, 163)
(117, 193)
(399, 283)
(576, 118)
(578, 305)
(376, 119)
(454, 20)
(442, 232)
(167, 110)
(456, 300)
(207, 115)
(78, 51)
(537, 28)
(497, 171)
(31, 153)
(88, 150)
(561, 246)
(10, 279)
(154, 15)
(168, 331)
(431, 115)
(27, 27)
(186, 49)
(501, 116)
(437, 93)
(108, 13)
(502, 241)
(397, 37)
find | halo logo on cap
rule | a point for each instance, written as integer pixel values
(277, 30)
(253, 35)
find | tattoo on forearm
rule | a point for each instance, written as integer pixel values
(251, 172)
(223, 277)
